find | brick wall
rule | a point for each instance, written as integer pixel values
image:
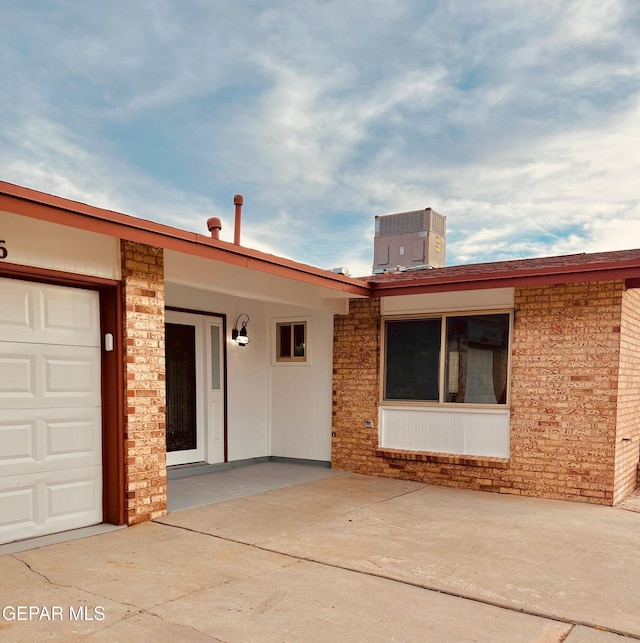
(564, 386)
(628, 422)
(564, 380)
(143, 329)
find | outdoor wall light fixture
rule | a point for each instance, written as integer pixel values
(240, 336)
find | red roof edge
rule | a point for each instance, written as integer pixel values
(618, 266)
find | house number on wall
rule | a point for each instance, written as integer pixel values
(3, 250)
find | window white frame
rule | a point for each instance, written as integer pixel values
(442, 359)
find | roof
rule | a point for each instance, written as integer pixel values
(46, 207)
(622, 264)
(599, 266)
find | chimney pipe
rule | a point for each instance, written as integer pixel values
(215, 225)
(237, 201)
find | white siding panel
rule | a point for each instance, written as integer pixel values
(48, 245)
(301, 393)
(456, 431)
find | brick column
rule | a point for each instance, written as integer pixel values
(145, 391)
(356, 346)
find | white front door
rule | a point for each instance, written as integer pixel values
(195, 388)
(50, 409)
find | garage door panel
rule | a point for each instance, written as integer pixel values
(72, 377)
(44, 314)
(70, 310)
(17, 375)
(46, 503)
(73, 497)
(74, 438)
(16, 309)
(46, 375)
(51, 440)
(17, 507)
(17, 440)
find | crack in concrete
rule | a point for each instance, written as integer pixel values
(35, 571)
(80, 589)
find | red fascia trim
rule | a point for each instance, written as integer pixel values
(46, 207)
(564, 274)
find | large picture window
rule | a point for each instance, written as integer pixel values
(453, 359)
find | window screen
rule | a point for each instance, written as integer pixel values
(412, 356)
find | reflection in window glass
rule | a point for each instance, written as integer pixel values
(477, 357)
(298, 340)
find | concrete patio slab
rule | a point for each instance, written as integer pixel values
(564, 560)
(148, 565)
(187, 491)
(349, 558)
(580, 634)
(314, 603)
(263, 516)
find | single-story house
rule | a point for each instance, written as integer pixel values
(127, 347)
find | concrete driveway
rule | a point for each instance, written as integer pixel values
(348, 558)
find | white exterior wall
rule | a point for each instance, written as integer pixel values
(301, 392)
(41, 244)
(272, 408)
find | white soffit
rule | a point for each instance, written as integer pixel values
(205, 274)
(40, 244)
(489, 299)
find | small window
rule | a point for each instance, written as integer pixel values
(291, 342)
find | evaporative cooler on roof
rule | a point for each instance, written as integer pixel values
(410, 240)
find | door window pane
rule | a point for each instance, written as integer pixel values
(215, 358)
(180, 354)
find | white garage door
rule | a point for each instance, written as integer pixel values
(50, 417)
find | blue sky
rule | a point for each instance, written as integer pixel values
(520, 121)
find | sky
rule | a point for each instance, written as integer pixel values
(517, 120)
